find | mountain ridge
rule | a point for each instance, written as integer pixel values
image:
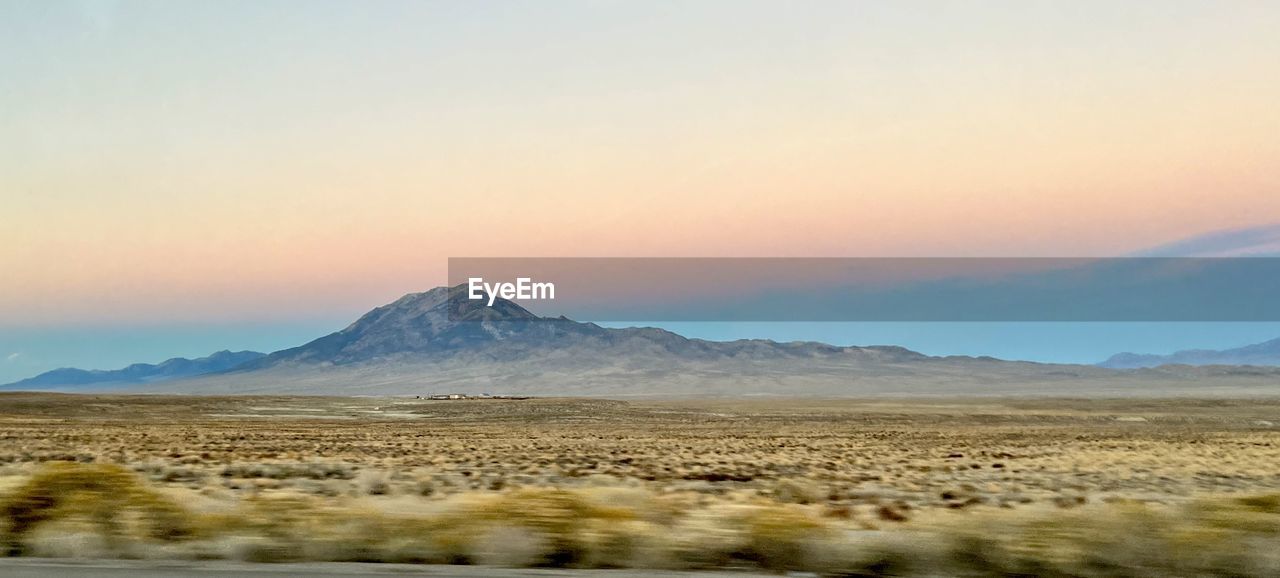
(438, 324)
(139, 373)
(1266, 353)
(435, 341)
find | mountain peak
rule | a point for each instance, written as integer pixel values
(423, 324)
(443, 325)
(448, 304)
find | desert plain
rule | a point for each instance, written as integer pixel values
(912, 486)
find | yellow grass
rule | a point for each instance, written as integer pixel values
(841, 488)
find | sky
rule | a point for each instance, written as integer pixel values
(181, 176)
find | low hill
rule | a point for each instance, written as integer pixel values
(1267, 353)
(138, 373)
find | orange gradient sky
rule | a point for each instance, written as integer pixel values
(189, 161)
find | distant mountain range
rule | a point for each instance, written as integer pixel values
(434, 342)
(138, 373)
(439, 325)
(431, 343)
(1267, 353)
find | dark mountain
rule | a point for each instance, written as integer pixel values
(138, 373)
(1267, 353)
(438, 342)
(440, 325)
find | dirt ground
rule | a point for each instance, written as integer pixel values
(842, 452)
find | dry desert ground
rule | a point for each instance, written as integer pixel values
(930, 486)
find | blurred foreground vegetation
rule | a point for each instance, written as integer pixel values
(64, 509)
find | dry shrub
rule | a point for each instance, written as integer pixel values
(781, 537)
(563, 519)
(878, 553)
(797, 491)
(704, 538)
(69, 510)
(63, 539)
(1208, 537)
(771, 535)
(424, 487)
(285, 471)
(511, 547)
(373, 483)
(625, 544)
(293, 528)
(107, 499)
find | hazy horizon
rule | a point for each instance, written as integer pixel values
(182, 177)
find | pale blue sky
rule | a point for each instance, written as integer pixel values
(183, 176)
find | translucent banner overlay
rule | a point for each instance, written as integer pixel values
(870, 289)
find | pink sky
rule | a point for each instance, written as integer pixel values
(265, 162)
